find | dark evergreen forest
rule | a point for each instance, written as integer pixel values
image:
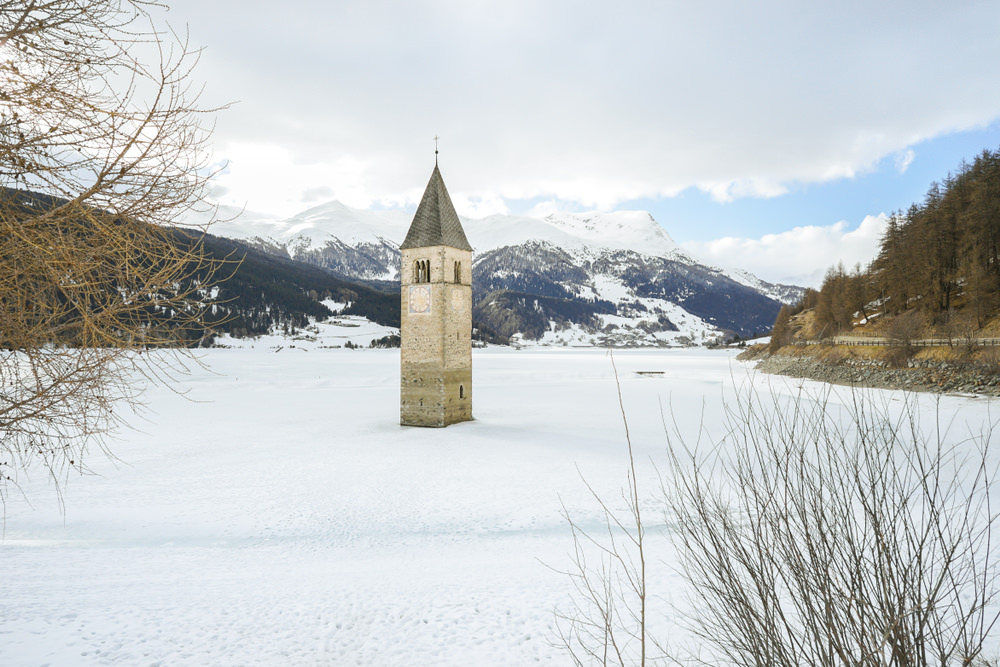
(263, 291)
(504, 313)
(938, 262)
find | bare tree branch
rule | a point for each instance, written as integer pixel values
(102, 151)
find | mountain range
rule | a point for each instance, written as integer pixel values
(570, 278)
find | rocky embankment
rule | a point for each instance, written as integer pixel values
(934, 377)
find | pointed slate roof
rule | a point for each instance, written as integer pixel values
(436, 222)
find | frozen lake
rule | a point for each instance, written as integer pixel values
(280, 515)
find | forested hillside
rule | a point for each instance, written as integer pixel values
(230, 287)
(265, 291)
(508, 312)
(937, 269)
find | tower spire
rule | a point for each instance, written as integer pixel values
(435, 150)
(436, 222)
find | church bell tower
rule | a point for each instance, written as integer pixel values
(436, 324)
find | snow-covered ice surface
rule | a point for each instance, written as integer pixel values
(281, 516)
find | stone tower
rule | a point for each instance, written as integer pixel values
(436, 327)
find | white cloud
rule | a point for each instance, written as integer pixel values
(543, 209)
(728, 191)
(479, 207)
(904, 159)
(799, 256)
(273, 179)
(582, 101)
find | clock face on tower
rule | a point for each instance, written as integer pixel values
(420, 299)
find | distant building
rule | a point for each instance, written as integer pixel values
(436, 327)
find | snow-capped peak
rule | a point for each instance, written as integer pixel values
(350, 225)
(315, 226)
(619, 230)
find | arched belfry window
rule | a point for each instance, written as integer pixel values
(458, 272)
(422, 271)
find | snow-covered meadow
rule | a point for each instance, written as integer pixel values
(279, 515)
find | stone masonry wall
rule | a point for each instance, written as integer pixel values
(436, 347)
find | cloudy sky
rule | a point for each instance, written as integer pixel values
(765, 135)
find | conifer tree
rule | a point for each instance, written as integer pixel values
(940, 256)
(781, 333)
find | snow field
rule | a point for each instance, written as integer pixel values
(283, 517)
(335, 331)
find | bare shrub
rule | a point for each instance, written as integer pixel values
(818, 534)
(813, 533)
(988, 359)
(903, 333)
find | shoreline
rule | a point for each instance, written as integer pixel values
(940, 378)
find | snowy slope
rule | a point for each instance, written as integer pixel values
(590, 232)
(620, 230)
(333, 332)
(312, 228)
(317, 226)
(788, 294)
(235, 223)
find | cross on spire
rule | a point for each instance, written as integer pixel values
(435, 150)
